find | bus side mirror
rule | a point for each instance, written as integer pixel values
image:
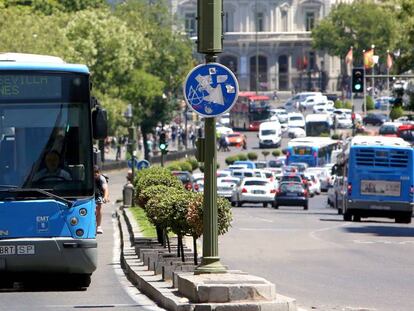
(99, 123)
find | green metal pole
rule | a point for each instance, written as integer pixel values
(210, 43)
(210, 262)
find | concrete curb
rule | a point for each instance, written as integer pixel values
(163, 293)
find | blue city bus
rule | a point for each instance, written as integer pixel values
(47, 206)
(378, 179)
(314, 151)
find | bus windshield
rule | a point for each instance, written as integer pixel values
(44, 143)
(317, 128)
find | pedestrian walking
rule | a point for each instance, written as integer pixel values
(101, 196)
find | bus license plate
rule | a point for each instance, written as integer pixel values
(17, 250)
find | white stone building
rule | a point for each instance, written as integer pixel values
(277, 35)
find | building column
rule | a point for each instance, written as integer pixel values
(289, 71)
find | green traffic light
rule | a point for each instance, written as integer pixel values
(163, 146)
(358, 86)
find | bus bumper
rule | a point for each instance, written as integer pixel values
(48, 255)
(378, 208)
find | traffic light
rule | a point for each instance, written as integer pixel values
(163, 145)
(357, 80)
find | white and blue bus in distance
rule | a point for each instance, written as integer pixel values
(314, 151)
(47, 206)
(378, 178)
(318, 124)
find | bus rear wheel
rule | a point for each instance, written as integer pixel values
(403, 219)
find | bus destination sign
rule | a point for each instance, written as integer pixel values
(18, 87)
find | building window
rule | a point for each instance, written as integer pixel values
(228, 22)
(310, 20)
(312, 61)
(260, 21)
(190, 23)
(284, 19)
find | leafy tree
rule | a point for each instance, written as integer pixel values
(359, 24)
(252, 156)
(276, 152)
(405, 16)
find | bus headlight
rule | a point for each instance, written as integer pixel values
(83, 211)
(74, 221)
(79, 232)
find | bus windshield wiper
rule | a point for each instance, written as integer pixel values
(42, 191)
(8, 186)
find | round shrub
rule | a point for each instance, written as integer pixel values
(174, 166)
(230, 160)
(348, 105)
(194, 163)
(252, 156)
(265, 153)
(151, 192)
(155, 176)
(186, 166)
(159, 207)
(195, 215)
(276, 153)
(202, 167)
(370, 103)
(338, 104)
(396, 113)
(242, 157)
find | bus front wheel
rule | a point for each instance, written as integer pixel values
(347, 216)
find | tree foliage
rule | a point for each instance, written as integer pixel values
(359, 24)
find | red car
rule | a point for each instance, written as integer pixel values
(235, 139)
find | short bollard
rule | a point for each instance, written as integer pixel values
(128, 195)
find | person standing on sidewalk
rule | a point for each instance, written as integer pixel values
(101, 196)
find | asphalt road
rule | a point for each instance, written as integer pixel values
(315, 257)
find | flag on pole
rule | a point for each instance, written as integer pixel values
(369, 59)
(389, 61)
(349, 56)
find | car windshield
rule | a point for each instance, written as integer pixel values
(44, 134)
(185, 178)
(291, 188)
(255, 183)
(296, 118)
(291, 178)
(268, 132)
(388, 129)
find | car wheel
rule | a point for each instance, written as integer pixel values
(305, 207)
(233, 203)
(239, 204)
(403, 219)
(264, 204)
(357, 218)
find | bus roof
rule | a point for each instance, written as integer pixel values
(259, 97)
(362, 140)
(312, 141)
(21, 61)
(317, 117)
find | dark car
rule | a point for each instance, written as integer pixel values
(187, 179)
(276, 163)
(291, 194)
(375, 119)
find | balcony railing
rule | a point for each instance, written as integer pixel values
(302, 36)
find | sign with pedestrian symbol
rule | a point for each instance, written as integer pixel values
(211, 89)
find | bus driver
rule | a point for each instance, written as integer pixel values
(52, 171)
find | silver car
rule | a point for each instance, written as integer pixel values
(253, 190)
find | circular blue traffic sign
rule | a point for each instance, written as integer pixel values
(211, 89)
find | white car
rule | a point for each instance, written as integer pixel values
(223, 130)
(313, 100)
(296, 119)
(323, 107)
(253, 190)
(323, 174)
(295, 132)
(223, 173)
(279, 114)
(348, 113)
(343, 122)
(226, 185)
(313, 183)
